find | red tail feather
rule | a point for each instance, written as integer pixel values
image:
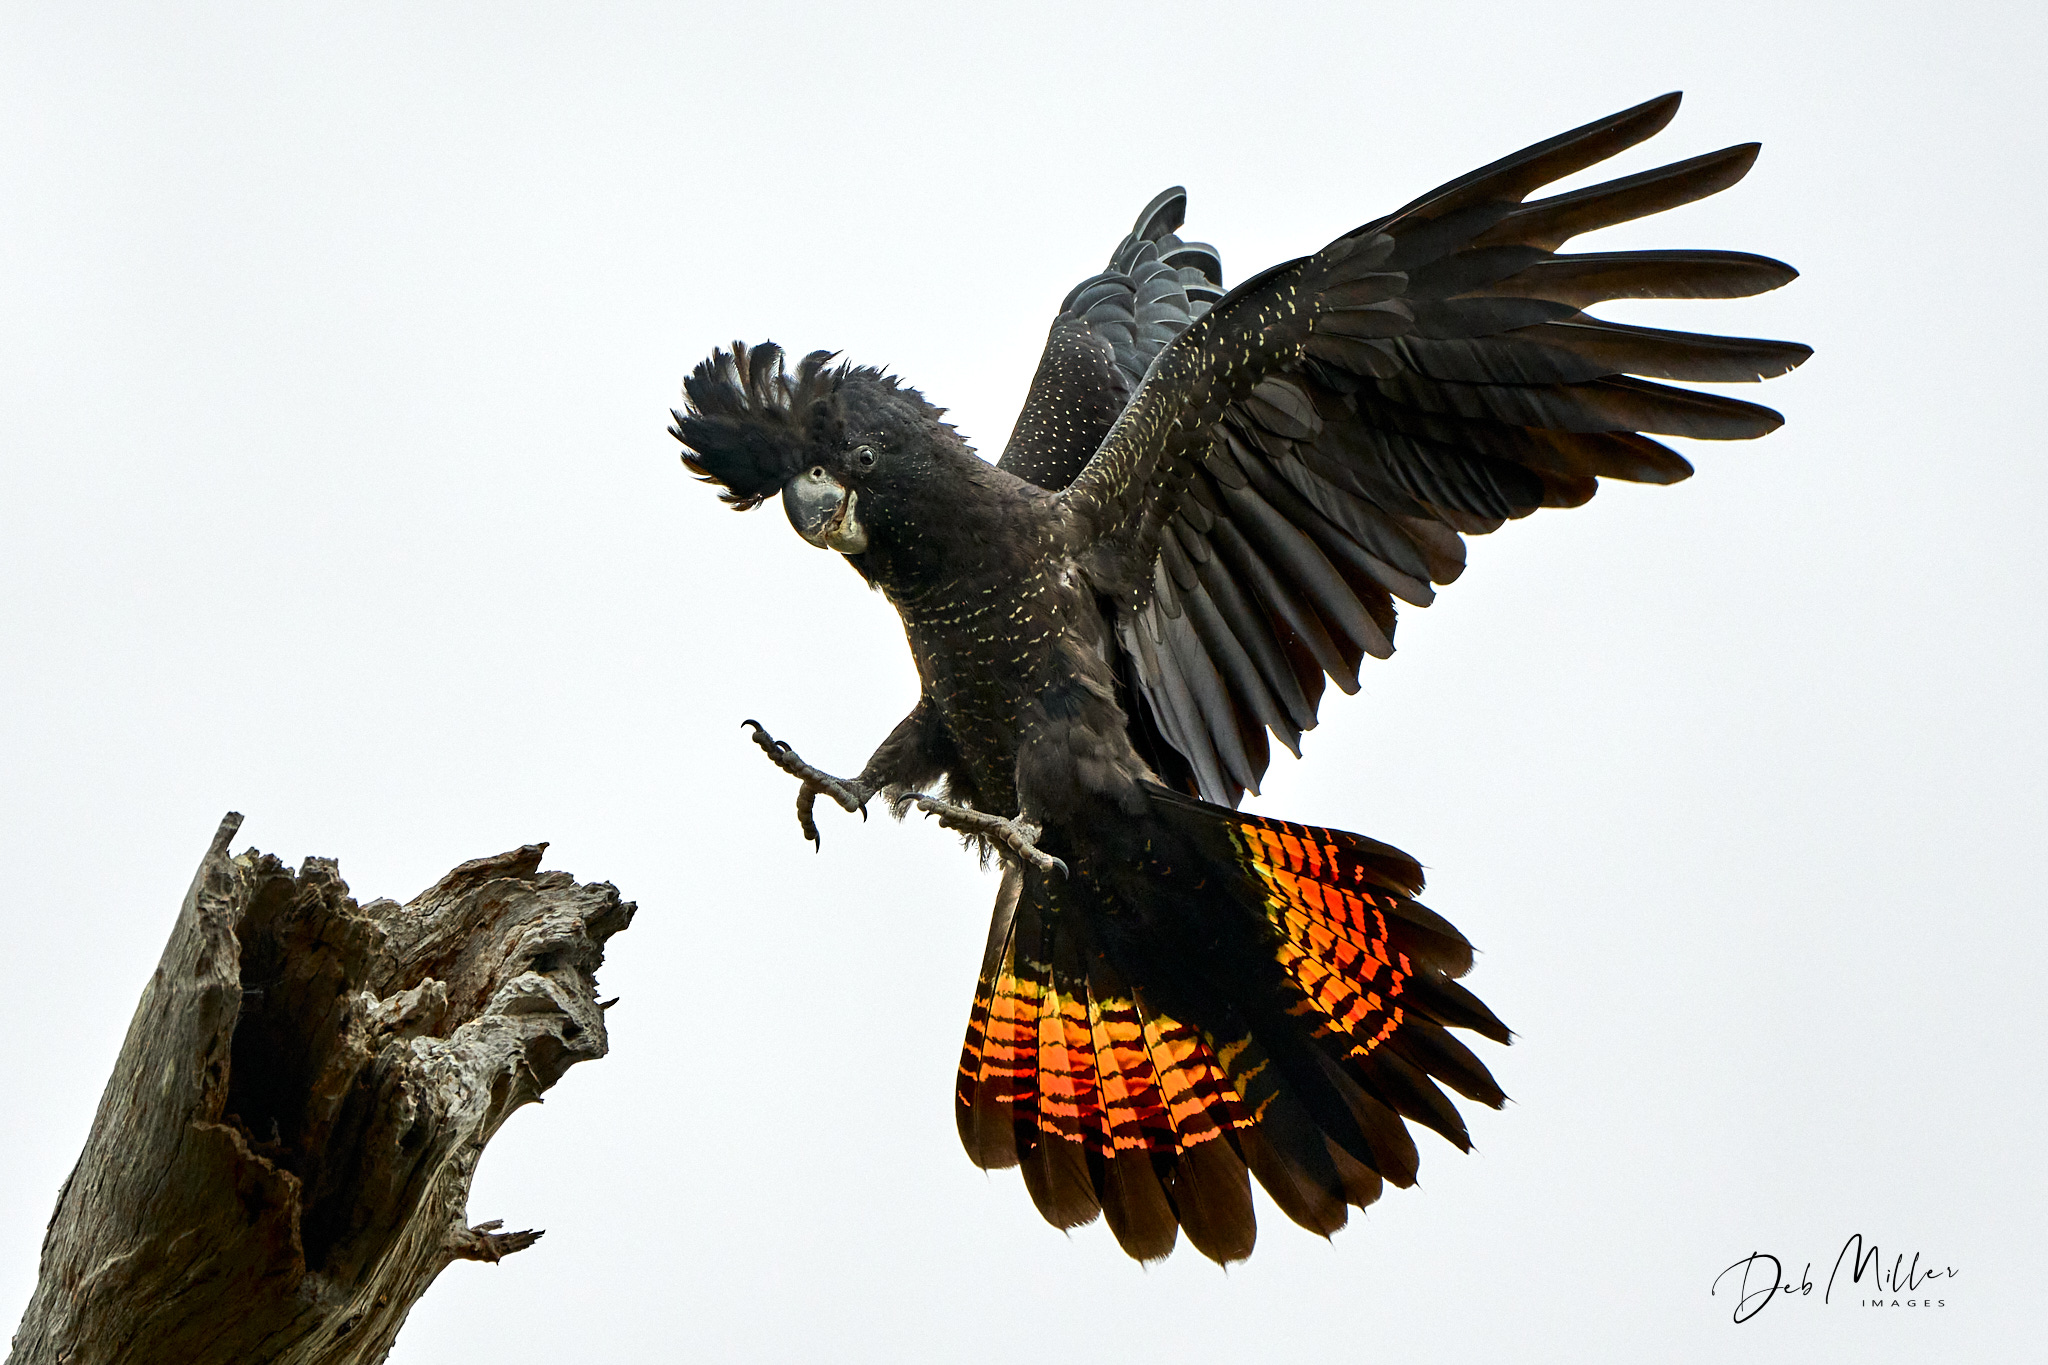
(1075, 1066)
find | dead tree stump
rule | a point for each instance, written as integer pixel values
(282, 1158)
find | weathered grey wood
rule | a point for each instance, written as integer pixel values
(281, 1161)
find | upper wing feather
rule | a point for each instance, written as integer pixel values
(1308, 449)
(1109, 328)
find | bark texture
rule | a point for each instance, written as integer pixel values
(281, 1161)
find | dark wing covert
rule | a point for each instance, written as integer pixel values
(1109, 328)
(1311, 447)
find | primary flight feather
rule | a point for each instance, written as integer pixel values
(1209, 505)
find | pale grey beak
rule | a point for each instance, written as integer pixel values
(822, 510)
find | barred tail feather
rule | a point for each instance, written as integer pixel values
(1211, 997)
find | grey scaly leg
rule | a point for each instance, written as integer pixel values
(851, 796)
(1018, 837)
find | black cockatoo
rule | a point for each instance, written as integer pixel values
(1209, 505)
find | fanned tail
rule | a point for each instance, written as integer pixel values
(1211, 996)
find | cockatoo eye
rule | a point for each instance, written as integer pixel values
(864, 457)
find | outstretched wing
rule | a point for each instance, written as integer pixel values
(1310, 448)
(1109, 328)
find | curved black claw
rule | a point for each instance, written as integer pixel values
(1019, 838)
(851, 796)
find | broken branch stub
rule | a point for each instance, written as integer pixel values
(281, 1161)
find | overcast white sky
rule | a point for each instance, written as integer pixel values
(334, 489)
